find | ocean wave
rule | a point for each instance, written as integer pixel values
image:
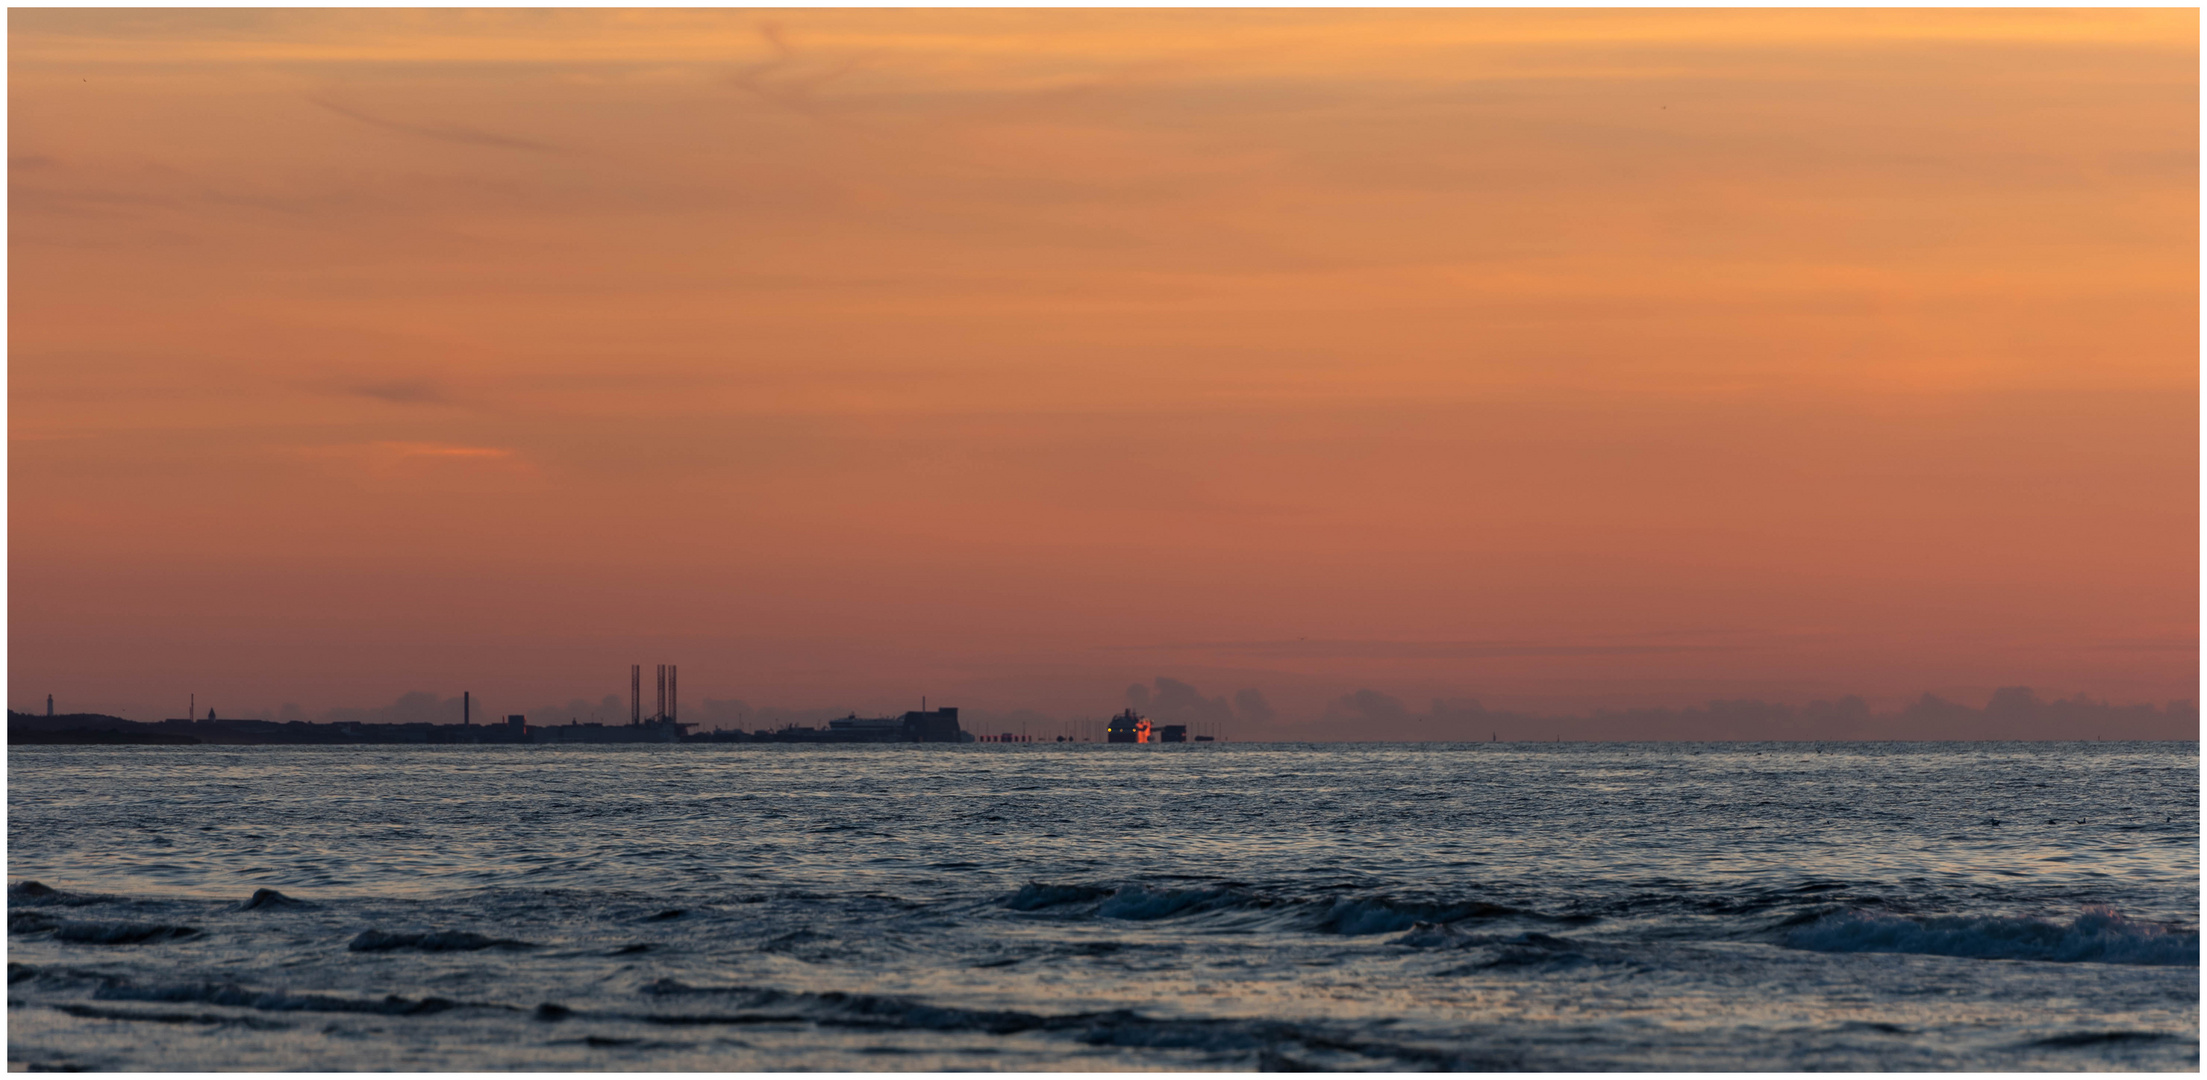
(1035, 896)
(120, 933)
(1528, 951)
(2077, 1039)
(1265, 1043)
(431, 941)
(1382, 915)
(263, 899)
(94, 1012)
(94, 932)
(31, 892)
(36, 894)
(1441, 935)
(1134, 903)
(2098, 935)
(1139, 903)
(106, 986)
(741, 1005)
(30, 922)
(1345, 915)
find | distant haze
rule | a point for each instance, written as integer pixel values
(1344, 368)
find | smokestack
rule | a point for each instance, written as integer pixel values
(660, 713)
(49, 704)
(635, 693)
(670, 691)
(464, 708)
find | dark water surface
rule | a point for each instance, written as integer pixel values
(1043, 906)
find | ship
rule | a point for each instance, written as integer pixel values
(1128, 727)
(919, 726)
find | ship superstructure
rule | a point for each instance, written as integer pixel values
(1128, 727)
(921, 726)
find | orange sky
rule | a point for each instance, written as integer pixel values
(1558, 359)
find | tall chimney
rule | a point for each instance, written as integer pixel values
(635, 693)
(464, 708)
(670, 691)
(660, 713)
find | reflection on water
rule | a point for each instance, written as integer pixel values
(1091, 906)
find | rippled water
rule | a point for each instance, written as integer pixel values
(1044, 906)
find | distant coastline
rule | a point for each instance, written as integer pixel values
(91, 729)
(99, 729)
(96, 729)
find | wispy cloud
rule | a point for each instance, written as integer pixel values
(450, 133)
(401, 392)
(1307, 648)
(778, 82)
(449, 450)
(2151, 644)
(411, 461)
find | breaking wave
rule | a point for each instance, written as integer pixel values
(2099, 935)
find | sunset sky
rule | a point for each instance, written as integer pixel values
(1558, 359)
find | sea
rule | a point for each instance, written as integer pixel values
(1054, 906)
